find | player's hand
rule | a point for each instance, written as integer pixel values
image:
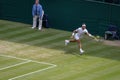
(96, 39)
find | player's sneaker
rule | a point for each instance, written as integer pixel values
(66, 42)
(81, 51)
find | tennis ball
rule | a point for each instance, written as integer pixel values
(97, 36)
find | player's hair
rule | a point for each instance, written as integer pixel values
(83, 24)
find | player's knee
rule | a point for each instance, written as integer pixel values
(78, 41)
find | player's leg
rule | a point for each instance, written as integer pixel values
(34, 22)
(80, 46)
(77, 38)
(72, 40)
(68, 41)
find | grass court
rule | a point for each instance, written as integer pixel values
(30, 54)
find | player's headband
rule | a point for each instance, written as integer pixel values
(83, 24)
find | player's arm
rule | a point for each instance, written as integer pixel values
(75, 31)
(90, 35)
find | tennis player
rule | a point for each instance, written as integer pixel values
(77, 36)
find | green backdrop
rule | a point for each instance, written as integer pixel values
(65, 14)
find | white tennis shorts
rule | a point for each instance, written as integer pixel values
(77, 37)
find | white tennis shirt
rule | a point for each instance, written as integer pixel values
(80, 32)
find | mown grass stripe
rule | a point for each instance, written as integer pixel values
(14, 33)
(17, 31)
(37, 37)
(6, 28)
(35, 43)
(14, 37)
(81, 75)
(33, 37)
(35, 33)
(44, 39)
(60, 73)
(80, 66)
(103, 72)
(10, 30)
(25, 37)
(114, 75)
(102, 52)
(54, 39)
(95, 50)
(71, 71)
(49, 39)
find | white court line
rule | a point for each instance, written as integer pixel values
(13, 57)
(32, 72)
(15, 65)
(27, 60)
